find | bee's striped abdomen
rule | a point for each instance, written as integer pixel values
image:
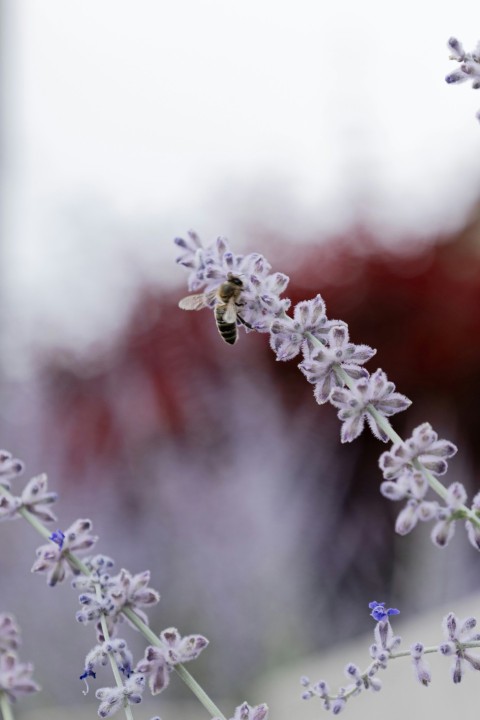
(228, 331)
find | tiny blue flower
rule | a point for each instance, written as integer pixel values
(88, 673)
(379, 612)
(57, 537)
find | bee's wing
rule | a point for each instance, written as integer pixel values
(230, 314)
(196, 302)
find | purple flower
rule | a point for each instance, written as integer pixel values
(16, 677)
(114, 699)
(10, 467)
(159, 661)
(9, 633)
(155, 667)
(260, 299)
(354, 406)
(56, 561)
(132, 591)
(414, 511)
(420, 667)
(469, 68)
(288, 336)
(246, 712)
(423, 445)
(118, 649)
(57, 537)
(320, 365)
(444, 529)
(379, 612)
(458, 634)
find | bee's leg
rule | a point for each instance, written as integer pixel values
(244, 322)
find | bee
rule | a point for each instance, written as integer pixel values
(225, 307)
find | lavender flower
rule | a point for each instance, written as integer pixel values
(9, 507)
(155, 667)
(379, 612)
(210, 266)
(246, 712)
(10, 468)
(458, 634)
(56, 561)
(159, 661)
(36, 497)
(320, 365)
(414, 511)
(424, 446)
(16, 677)
(132, 592)
(114, 698)
(469, 68)
(289, 336)
(9, 633)
(118, 649)
(377, 393)
(117, 594)
(420, 667)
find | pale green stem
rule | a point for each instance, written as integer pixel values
(116, 673)
(187, 678)
(6, 708)
(387, 428)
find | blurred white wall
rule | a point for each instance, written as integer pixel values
(129, 122)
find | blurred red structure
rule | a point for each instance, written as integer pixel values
(419, 306)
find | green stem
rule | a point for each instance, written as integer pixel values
(187, 678)
(116, 673)
(6, 708)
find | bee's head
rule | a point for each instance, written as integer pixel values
(234, 279)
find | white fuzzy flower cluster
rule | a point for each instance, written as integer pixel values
(335, 368)
(461, 637)
(15, 676)
(330, 361)
(407, 467)
(381, 650)
(210, 266)
(469, 68)
(246, 712)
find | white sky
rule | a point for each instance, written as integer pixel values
(128, 122)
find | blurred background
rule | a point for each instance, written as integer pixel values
(320, 135)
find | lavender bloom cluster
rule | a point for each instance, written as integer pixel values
(15, 676)
(469, 67)
(335, 367)
(460, 638)
(107, 600)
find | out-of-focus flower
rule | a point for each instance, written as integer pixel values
(159, 661)
(458, 633)
(379, 612)
(16, 677)
(246, 712)
(114, 698)
(56, 561)
(118, 649)
(9, 633)
(10, 467)
(469, 68)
